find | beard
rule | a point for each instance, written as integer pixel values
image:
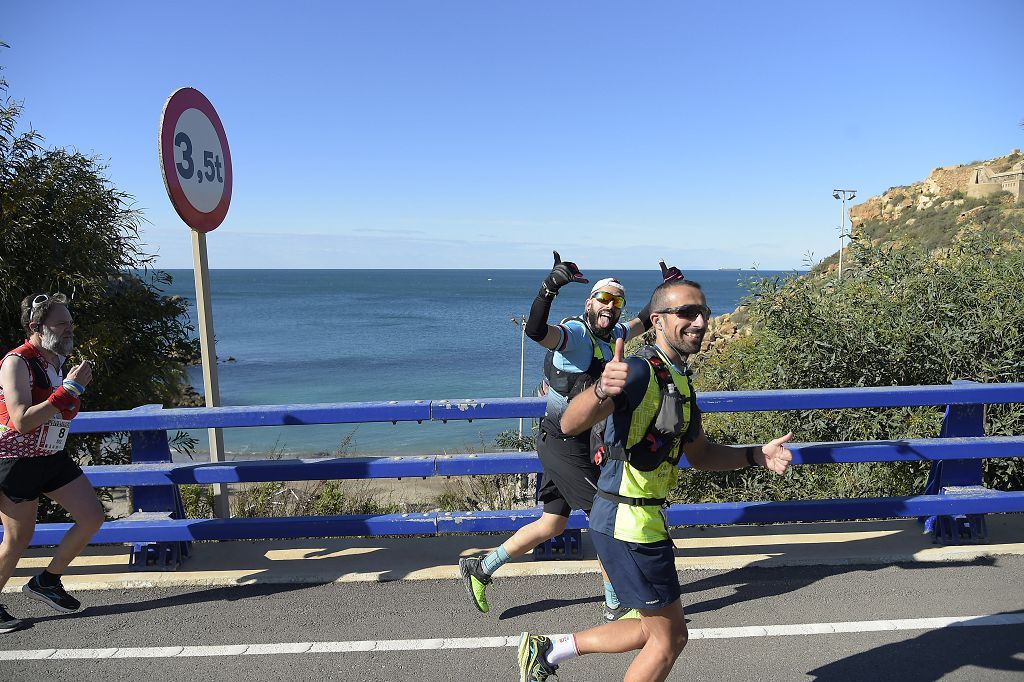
(57, 344)
(593, 321)
(686, 347)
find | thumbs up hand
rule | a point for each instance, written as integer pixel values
(776, 455)
(613, 378)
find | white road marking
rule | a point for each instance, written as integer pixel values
(800, 629)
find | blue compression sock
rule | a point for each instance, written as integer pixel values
(610, 597)
(495, 560)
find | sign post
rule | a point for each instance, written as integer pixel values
(196, 166)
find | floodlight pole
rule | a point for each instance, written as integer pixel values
(842, 194)
(521, 321)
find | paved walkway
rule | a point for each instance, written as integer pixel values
(389, 559)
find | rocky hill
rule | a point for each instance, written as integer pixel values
(929, 214)
(982, 195)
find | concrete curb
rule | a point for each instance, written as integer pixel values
(318, 561)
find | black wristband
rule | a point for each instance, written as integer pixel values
(599, 392)
(645, 316)
(749, 452)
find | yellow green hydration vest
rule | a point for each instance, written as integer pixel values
(658, 423)
(637, 478)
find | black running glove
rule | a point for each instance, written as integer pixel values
(669, 274)
(560, 275)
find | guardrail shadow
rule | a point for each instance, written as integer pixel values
(790, 563)
(814, 551)
(754, 582)
(936, 654)
(93, 608)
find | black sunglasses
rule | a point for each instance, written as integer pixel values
(690, 312)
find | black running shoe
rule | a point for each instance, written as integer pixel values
(8, 623)
(53, 595)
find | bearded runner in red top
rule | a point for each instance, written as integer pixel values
(37, 405)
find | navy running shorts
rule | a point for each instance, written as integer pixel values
(570, 478)
(642, 573)
(26, 478)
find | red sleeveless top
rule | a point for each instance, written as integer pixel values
(13, 443)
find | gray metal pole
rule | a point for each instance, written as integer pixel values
(521, 321)
(207, 345)
(843, 194)
(522, 369)
(842, 220)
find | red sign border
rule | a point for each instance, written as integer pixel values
(181, 100)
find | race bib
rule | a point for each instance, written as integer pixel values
(53, 435)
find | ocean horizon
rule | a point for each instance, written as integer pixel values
(326, 336)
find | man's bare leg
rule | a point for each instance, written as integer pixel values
(659, 634)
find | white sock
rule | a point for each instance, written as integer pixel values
(563, 647)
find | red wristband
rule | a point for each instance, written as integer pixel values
(64, 401)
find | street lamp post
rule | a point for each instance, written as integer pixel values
(843, 194)
(521, 322)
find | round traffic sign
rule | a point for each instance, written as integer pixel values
(195, 160)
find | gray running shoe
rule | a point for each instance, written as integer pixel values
(54, 595)
(619, 612)
(533, 662)
(8, 623)
(476, 581)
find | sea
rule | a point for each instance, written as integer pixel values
(328, 336)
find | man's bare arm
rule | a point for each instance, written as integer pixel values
(18, 396)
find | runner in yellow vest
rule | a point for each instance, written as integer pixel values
(650, 418)
(578, 350)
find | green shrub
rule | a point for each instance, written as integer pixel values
(511, 440)
(197, 500)
(901, 317)
(309, 498)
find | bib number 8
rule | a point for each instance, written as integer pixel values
(53, 435)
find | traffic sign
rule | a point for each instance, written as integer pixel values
(195, 160)
(196, 165)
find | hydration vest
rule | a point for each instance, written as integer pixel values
(571, 384)
(656, 428)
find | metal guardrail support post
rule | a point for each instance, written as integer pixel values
(953, 476)
(568, 545)
(150, 501)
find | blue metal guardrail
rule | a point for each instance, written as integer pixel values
(953, 501)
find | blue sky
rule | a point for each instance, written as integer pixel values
(483, 134)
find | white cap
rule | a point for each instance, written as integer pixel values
(608, 282)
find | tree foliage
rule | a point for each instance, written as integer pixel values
(64, 228)
(900, 317)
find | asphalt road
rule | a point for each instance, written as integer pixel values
(406, 614)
